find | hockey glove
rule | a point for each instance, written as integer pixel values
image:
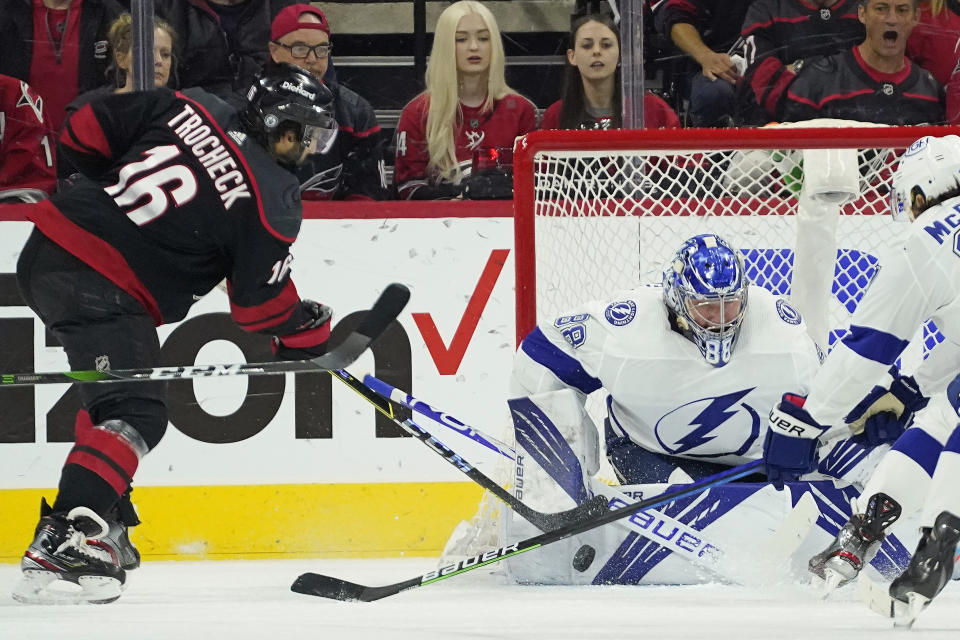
(310, 339)
(884, 414)
(790, 449)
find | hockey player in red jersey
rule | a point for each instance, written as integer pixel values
(179, 191)
(26, 144)
(467, 107)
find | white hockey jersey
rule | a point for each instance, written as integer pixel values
(918, 280)
(663, 394)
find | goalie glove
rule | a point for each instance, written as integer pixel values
(790, 449)
(310, 339)
(884, 414)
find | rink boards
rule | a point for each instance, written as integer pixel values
(297, 466)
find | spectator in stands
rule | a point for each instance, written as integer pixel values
(706, 30)
(591, 84)
(120, 39)
(935, 42)
(467, 107)
(59, 47)
(26, 144)
(224, 40)
(777, 33)
(872, 82)
(353, 168)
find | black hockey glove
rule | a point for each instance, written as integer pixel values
(310, 339)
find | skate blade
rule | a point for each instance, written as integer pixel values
(877, 597)
(831, 581)
(906, 613)
(45, 587)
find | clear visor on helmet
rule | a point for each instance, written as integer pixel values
(317, 139)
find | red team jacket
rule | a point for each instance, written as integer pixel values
(26, 139)
(175, 199)
(512, 116)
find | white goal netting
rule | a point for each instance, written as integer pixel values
(597, 212)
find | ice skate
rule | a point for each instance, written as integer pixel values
(855, 545)
(73, 559)
(930, 568)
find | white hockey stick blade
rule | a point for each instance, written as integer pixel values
(793, 530)
(876, 595)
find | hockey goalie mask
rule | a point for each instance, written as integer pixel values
(705, 288)
(929, 173)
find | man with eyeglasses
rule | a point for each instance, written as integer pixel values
(353, 168)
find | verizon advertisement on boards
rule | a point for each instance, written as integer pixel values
(452, 347)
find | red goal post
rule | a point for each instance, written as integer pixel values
(599, 211)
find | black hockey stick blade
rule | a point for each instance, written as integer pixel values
(329, 587)
(384, 311)
(543, 521)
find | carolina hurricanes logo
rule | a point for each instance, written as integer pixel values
(29, 98)
(474, 138)
(691, 429)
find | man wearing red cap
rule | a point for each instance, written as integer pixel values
(353, 168)
(223, 40)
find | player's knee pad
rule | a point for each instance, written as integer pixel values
(558, 448)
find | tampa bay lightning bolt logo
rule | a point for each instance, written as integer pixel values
(710, 427)
(621, 313)
(787, 313)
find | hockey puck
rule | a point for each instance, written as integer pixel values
(583, 558)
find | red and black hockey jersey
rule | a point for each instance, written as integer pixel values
(175, 199)
(844, 86)
(26, 139)
(779, 32)
(511, 116)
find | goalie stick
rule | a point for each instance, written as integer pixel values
(384, 311)
(754, 569)
(543, 521)
(316, 584)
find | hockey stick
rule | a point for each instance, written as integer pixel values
(778, 546)
(543, 521)
(694, 543)
(315, 584)
(384, 311)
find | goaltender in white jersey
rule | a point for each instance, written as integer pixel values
(919, 281)
(664, 396)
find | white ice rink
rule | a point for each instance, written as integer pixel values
(251, 599)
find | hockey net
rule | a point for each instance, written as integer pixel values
(601, 211)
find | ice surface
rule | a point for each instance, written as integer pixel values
(251, 599)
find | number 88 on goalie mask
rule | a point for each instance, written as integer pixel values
(705, 290)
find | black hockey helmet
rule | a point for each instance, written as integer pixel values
(285, 97)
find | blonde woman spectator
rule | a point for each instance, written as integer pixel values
(592, 95)
(467, 107)
(120, 37)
